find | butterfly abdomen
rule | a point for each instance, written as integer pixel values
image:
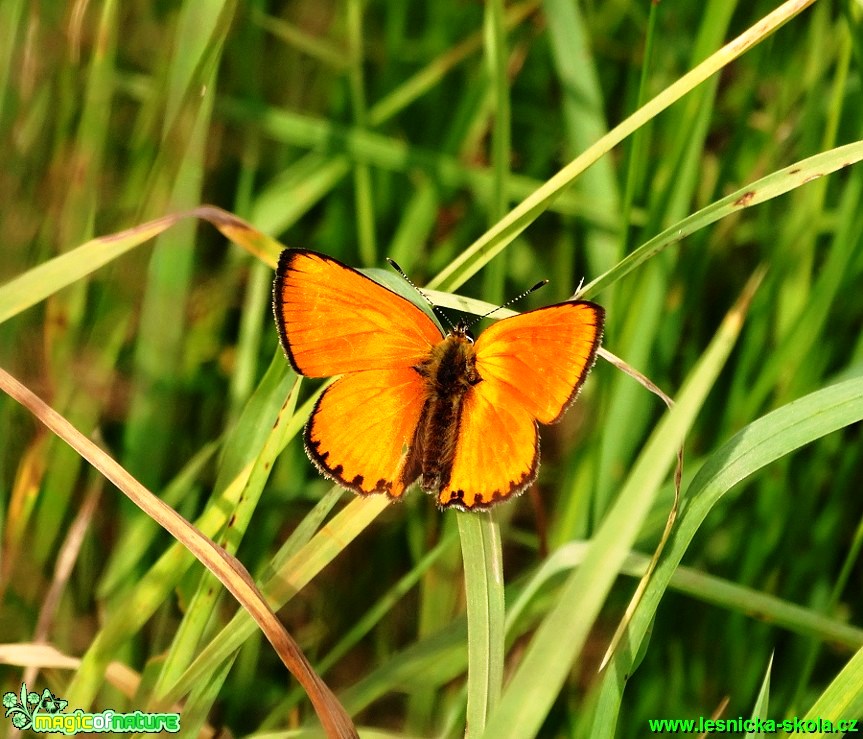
(450, 373)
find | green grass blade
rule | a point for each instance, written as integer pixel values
(496, 54)
(762, 442)
(560, 638)
(717, 591)
(762, 702)
(162, 332)
(842, 699)
(483, 583)
(38, 283)
(584, 116)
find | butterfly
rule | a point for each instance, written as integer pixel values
(51, 703)
(413, 403)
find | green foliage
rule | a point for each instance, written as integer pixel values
(484, 147)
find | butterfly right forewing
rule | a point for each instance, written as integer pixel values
(496, 454)
(332, 319)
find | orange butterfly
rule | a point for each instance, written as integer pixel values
(414, 404)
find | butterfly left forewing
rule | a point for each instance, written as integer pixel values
(361, 432)
(543, 356)
(531, 368)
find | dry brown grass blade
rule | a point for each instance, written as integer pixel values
(672, 514)
(66, 559)
(230, 572)
(737, 313)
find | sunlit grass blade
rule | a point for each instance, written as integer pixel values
(800, 339)
(560, 638)
(767, 188)
(842, 699)
(36, 284)
(519, 218)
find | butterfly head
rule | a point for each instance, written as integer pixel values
(462, 331)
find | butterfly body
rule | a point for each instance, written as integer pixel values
(414, 404)
(449, 373)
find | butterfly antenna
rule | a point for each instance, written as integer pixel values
(541, 283)
(410, 282)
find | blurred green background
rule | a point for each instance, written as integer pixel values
(390, 129)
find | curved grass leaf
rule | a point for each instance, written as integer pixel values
(483, 583)
(52, 276)
(773, 185)
(560, 638)
(228, 569)
(763, 441)
(842, 699)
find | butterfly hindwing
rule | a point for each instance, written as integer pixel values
(496, 453)
(361, 432)
(332, 319)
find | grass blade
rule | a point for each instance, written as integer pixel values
(559, 640)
